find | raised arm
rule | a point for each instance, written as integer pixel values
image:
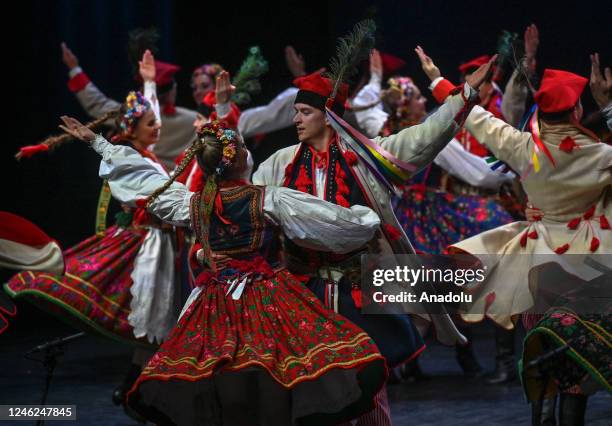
(133, 178)
(368, 108)
(93, 101)
(420, 144)
(505, 142)
(147, 73)
(317, 224)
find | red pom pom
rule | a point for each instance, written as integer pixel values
(356, 295)
(573, 224)
(567, 145)
(603, 222)
(392, 232)
(533, 235)
(341, 201)
(589, 213)
(141, 202)
(30, 150)
(303, 181)
(562, 249)
(350, 157)
(594, 244)
(524, 239)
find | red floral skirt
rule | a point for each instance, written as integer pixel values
(95, 288)
(277, 326)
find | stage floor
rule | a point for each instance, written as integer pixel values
(92, 367)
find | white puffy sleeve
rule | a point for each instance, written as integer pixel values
(470, 168)
(276, 115)
(132, 177)
(317, 224)
(371, 120)
(150, 94)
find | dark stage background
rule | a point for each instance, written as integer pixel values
(59, 191)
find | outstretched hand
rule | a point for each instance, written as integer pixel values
(376, 65)
(295, 62)
(481, 74)
(601, 84)
(76, 129)
(69, 58)
(430, 69)
(146, 67)
(532, 41)
(223, 88)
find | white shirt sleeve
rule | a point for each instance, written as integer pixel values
(470, 168)
(317, 224)
(150, 94)
(370, 120)
(132, 177)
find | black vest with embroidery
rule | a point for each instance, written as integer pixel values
(299, 258)
(248, 235)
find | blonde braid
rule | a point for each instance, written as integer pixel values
(193, 150)
(55, 141)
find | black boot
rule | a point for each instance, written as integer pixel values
(505, 366)
(121, 391)
(572, 409)
(467, 360)
(543, 412)
(411, 372)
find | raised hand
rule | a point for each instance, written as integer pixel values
(146, 67)
(223, 88)
(481, 74)
(430, 69)
(69, 58)
(295, 62)
(376, 65)
(76, 129)
(601, 84)
(532, 40)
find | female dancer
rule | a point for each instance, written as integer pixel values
(250, 333)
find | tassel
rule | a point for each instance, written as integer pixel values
(303, 181)
(524, 239)
(562, 249)
(603, 222)
(533, 235)
(589, 213)
(573, 224)
(31, 150)
(356, 295)
(594, 244)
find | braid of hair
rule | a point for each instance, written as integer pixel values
(189, 155)
(57, 140)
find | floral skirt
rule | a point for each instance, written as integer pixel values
(433, 219)
(331, 368)
(95, 288)
(588, 353)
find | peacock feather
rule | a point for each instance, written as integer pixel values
(246, 79)
(351, 49)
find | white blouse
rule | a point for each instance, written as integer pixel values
(307, 220)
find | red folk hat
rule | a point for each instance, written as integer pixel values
(473, 64)
(391, 63)
(559, 90)
(164, 73)
(316, 89)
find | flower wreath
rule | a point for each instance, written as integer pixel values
(137, 106)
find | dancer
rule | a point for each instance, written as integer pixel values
(249, 321)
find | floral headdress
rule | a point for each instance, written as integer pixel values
(212, 70)
(227, 137)
(136, 106)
